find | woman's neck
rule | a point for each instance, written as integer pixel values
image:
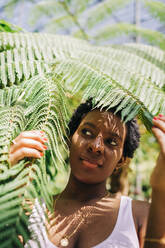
(83, 192)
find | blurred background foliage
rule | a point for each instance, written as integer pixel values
(101, 22)
(98, 21)
(8, 27)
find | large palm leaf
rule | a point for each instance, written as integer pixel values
(44, 73)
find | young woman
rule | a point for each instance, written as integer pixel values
(85, 214)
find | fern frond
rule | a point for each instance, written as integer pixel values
(108, 32)
(49, 8)
(80, 6)
(151, 54)
(38, 42)
(36, 104)
(41, 102)
(22, 57)
(24, 63)
(130, 76)
(14, 209)
(46, 99)
(133, 63)
(89, 76)
(57, 24)
(126, 67)
(8, 27)
(102, 10)
(12, 122)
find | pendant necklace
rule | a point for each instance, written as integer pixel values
(64, 242)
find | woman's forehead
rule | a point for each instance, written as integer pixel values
(104, 119)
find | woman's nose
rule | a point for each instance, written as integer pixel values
(96, 145)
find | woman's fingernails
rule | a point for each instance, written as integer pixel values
(45, 139)
(41, 154)
(45, 147)
(160, 115)
(155, 118)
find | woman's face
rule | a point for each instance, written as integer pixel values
(97, 146)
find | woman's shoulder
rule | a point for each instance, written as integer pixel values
(140, 209)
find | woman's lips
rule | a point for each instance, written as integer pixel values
(89, 164)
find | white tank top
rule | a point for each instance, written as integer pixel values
(123, 235)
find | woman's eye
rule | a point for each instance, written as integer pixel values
(112, 142)
(86, 132)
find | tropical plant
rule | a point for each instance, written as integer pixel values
(40, 75)
(89, 20)
(75, 17)
(123, 29)
(8, 27)
(157, 9)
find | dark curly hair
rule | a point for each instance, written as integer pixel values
(132, 137)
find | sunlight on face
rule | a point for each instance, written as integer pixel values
(97, 146)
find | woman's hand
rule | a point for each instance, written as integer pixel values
(27, 144)
(158, 174)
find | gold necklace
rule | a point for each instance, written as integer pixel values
(64, 242)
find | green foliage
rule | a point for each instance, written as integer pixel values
(157, 9)
(8, 27)
(37, 104)
(41, 75)
(89, 20)
(77, 18)
(10, 5)
(82, 20)
(123, 29)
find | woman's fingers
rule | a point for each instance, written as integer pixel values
(35, 134)
(160, 136)
(22, 153)
(27, 144)
(157, 177)
(159, 131)
(159, 121)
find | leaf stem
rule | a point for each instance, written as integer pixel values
(65, 6)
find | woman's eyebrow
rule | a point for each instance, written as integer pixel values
(116, 135)
(90, 124)
(110, 133)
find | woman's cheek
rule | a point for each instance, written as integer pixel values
(79, 143)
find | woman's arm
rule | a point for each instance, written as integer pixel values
(155, 235)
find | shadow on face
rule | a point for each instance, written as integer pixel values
(96, 147)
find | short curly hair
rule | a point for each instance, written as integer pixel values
(132, 137)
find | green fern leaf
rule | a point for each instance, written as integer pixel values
(126, 76)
